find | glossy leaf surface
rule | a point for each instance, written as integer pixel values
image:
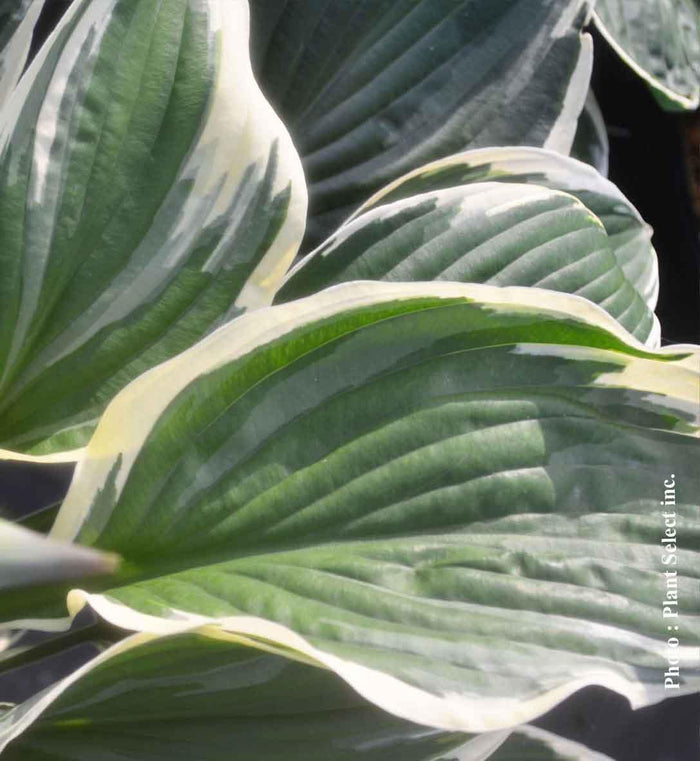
(147, 193)
(499, 216)
(371, 89)
(447, 494)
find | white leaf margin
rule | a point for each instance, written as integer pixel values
(131, 416)
(14, 55)
(563, 131)
(21, 717)
(685, 103)
(450, 711)
(230, 22)
(480, 748)
(563, 173)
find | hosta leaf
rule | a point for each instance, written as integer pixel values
(191, 697)
(447, 494)
(469, 218)
(591, 140)
(371, 89)
(660, 41)
(30, 558)
(628, 233)
(17, 21)
(147, 193)
(532, 744)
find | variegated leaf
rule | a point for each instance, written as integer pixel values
(628, 233)
(591, 140)
(148, 193)
(371, 89)
(660, 41)
(469, 218)
(193, 697)
(17, 21)
(447, 494)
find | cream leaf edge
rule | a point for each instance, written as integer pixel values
(132, 414)
(65, 456)
(565, 173)
(16, 51)
(479, 748)
(229, 22)
(686, 103)
(521, 159)
(127, 422)
(449, 711)
(563, 132)
(515, 193)
(22, 716)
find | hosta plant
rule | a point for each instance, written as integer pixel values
(394, 500)
(660, 41)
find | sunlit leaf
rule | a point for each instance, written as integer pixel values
(470, 218)
(447, 494)
(147, 193)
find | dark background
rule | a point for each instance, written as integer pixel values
(648, 161)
